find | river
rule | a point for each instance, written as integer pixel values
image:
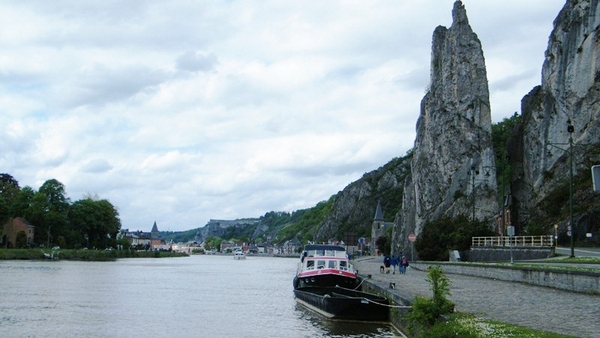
(197, 296)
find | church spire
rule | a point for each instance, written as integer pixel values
(378, 212)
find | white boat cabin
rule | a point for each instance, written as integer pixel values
(316, 257)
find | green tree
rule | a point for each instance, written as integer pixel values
(21, 239)
(22, 203)
(48, 212)
(440, 236)
(212, 243)
(9, 189)
(124, 242)
(383, 245)
(501, 135)
(94, 222)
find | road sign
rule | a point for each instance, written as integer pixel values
(596, 177)
(412, 237)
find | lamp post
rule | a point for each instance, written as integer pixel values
(570, 129)
(570, 232)
(472, 173)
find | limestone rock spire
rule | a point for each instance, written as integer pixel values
(453, 166)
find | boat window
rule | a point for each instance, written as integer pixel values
(343, 265)
(320, 264)
(310, 265)
(332, 264)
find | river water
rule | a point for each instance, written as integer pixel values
(197, 296)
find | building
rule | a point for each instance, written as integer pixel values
(378, 228)
(144, 240)
(12, 227)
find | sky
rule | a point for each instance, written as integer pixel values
(184, 111)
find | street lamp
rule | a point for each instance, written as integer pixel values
(570, 129)
(474, 172)
(570, 232)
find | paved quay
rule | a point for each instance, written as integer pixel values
(520, 304)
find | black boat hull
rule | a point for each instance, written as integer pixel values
(326, 281)
(344, 304)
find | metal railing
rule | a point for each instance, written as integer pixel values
(527, 241)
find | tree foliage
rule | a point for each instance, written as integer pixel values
(440, 236)
(303, 224)
(21, 240)
(9, 189)
(94, 223)
(56, 219)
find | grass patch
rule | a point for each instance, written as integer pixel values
(575, 260)
(469, 326)
(84, 255)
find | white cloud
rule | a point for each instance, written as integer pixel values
(184, 111)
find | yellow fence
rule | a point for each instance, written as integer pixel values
(530, 241)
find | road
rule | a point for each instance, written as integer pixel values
(579, 252)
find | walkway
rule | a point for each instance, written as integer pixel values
(515, 303)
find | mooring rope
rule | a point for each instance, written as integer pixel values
(388, 305)
(374, 302)
(361, 281)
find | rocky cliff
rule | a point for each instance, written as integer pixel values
(568, 96)
(453, 169)
(354, 207)
(218, 228)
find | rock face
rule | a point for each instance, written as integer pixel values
(569, 94)
(217, 228)
(453, 166)
(354, 207)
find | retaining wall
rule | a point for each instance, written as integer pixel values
(574, 281)
(396, 296)
(503, 254)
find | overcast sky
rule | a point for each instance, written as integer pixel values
(184, 111)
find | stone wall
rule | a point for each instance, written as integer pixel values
(503, 254)
(396, 296)
(574, 281)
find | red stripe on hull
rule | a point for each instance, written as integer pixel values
(322, 272)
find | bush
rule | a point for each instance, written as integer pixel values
(426, 313)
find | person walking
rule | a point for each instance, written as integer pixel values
(387, 261)
(404, 264)
(394, 262)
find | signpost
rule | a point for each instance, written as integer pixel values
(511, 233)
(596, 177)
(361, 242)
(412, 238)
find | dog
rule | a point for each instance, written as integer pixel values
(382, 269)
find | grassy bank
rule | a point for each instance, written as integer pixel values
(469, 326)
(84, 255)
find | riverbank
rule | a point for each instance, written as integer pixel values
(83, 255)
(539, 308)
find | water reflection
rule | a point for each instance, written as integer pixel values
(340, 328)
